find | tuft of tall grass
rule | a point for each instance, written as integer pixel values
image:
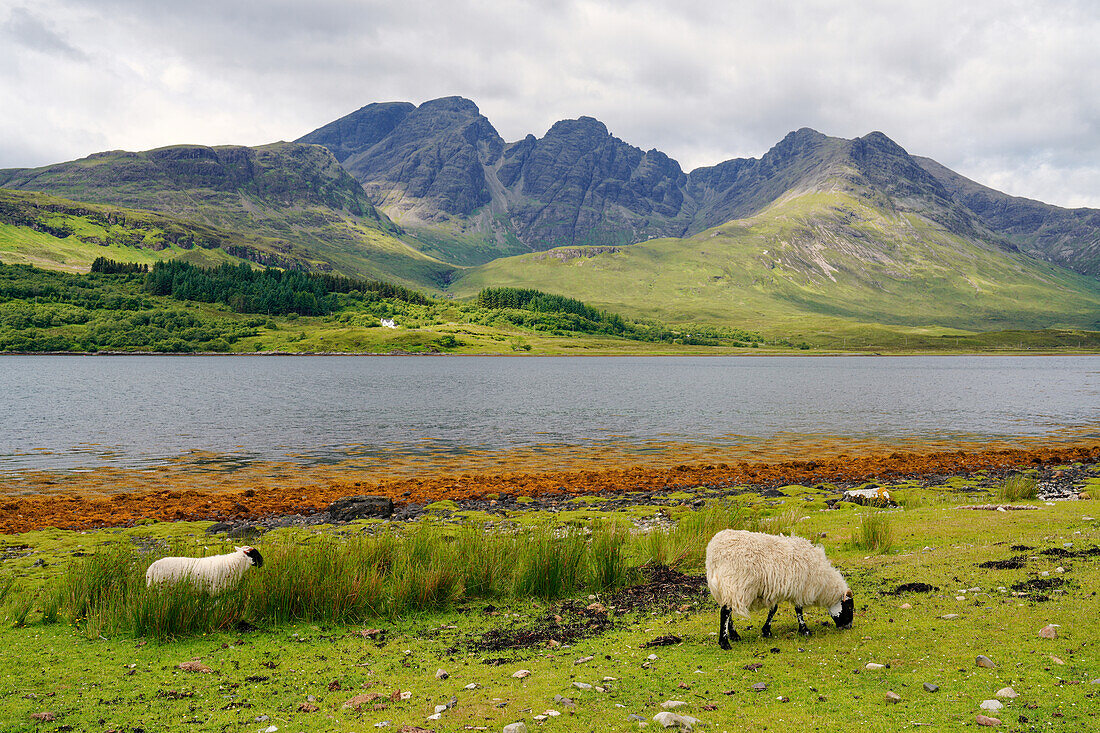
(607, 563)
(1017, 488)
(549, 562)
(876, 533)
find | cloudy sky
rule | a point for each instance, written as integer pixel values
(1004, 92)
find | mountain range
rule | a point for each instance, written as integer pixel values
(818, 232)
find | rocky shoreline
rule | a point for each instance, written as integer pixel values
(1062, 474)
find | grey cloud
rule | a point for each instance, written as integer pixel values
(987, 87)
(28, 30)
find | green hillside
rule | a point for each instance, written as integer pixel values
(831, 261)
(296, 197)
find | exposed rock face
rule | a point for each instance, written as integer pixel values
(444, 163)
(200, 181)
(429, 159)
(1067, 237)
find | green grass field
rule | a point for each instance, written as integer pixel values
(277, 674)
(827, 268)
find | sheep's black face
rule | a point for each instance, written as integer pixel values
(843, 620)
(254, 555)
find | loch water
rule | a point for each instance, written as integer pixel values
(62, 412)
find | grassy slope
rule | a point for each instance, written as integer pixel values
(815, 683)
(295, 198)
(820, 262)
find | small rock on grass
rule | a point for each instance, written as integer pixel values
(515, 728)
(760, 686)
(893, 697)
(45, 716)
(582, 660)
(983, 661)
(441, 674)
(1006, 692)
(672, 720)
(991, 705)
(672, 704)
(1050, 631)
(194, 666)
(874, 665)
(931, 687)
(471, 686)
(905, 606)
(307, 707)
(986, 720)
(636, 718)
(520, 674)
(582, 685)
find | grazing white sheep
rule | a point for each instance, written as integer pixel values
(216, 573)
(747, 571)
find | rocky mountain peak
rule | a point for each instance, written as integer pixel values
(451, 105)
(581, 127)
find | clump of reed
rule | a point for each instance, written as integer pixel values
(1017, 488)
(875, 534)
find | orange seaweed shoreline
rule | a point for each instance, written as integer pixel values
(113, 497)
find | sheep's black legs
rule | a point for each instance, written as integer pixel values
(725, 628)
(802, 627)
(766, 632)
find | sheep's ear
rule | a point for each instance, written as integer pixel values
(241, 549)
(848, 594)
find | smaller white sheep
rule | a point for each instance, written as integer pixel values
(215, 573)
(747, 571)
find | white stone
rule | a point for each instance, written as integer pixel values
(552, 713)
(582, 660)
(440, 708)
(582, 685)
(991, 705)
(672, 704)
(435, 716)
(515, 728)
(406, 695)
(540, 718)
(652, 657)
(875, 665)
(471, 686)
(670, 720)
(520, 674)
(1006, 692)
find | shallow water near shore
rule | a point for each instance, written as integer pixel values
(217, 413)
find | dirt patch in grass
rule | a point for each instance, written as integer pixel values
(1012, 563)
(913, 588)
(1063, 552)
(1034, 587)
(563, 623)
(663, 590)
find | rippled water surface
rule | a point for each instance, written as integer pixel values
(70, 411)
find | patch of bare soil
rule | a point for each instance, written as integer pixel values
(663, 590)
(563, 623)
(914, 588)
(1012, 563)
